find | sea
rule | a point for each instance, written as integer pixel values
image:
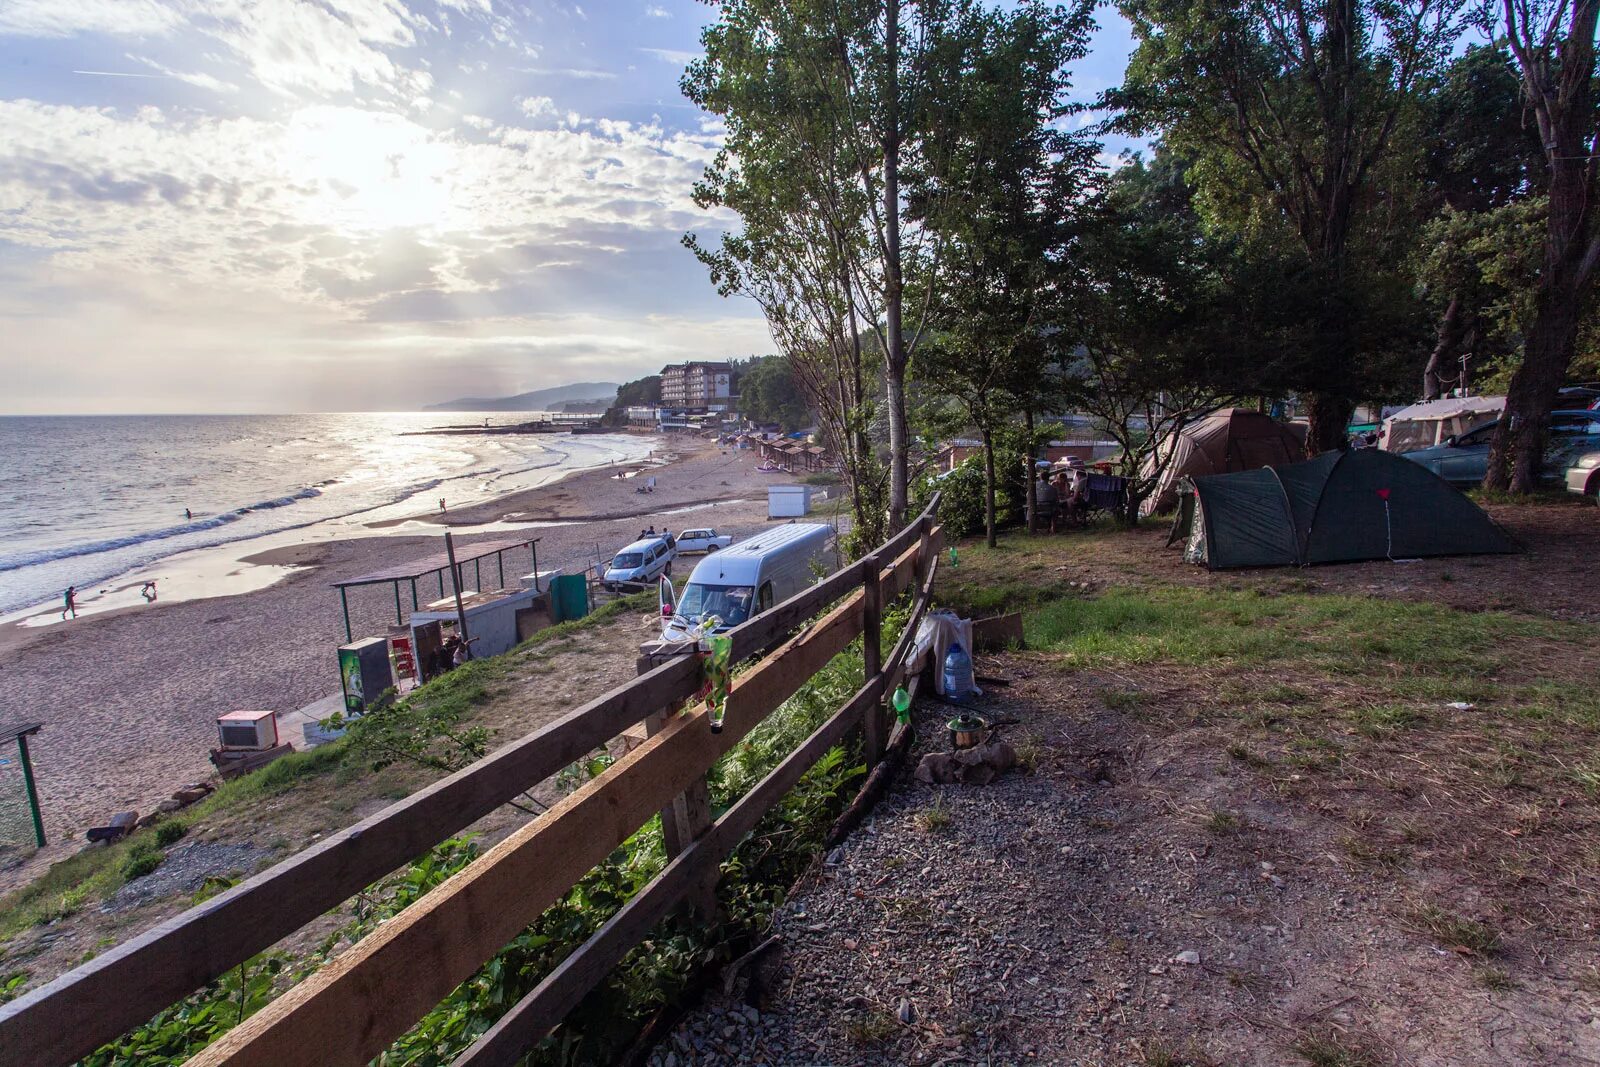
(85, 499)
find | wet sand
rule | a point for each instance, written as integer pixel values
(129, 698)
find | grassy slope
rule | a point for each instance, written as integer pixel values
(91, 876)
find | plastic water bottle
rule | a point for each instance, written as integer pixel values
(957, 673)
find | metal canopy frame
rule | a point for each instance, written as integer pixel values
(437, 564)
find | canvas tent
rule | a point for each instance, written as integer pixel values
(1231, 439)
(1430, 422)
(1337, 508)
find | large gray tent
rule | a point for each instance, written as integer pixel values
(1337, 508)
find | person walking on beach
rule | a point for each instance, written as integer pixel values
(441, 504)
(187, 514)
(69, 601)
(149, 591)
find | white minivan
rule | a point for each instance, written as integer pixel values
(640, 563)
(745, 579)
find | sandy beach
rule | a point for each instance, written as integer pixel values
(129, 698)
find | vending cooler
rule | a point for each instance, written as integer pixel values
(364, 670)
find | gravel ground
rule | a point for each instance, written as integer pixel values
(185, 870)
(1094, 910)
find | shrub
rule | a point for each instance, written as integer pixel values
(143, 858)
(169, 832)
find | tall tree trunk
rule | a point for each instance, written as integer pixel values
(988, 487)
(894, 287)
(1559, 89)
(1027, 475)
(1520, 436)
(1329, 418)
(1452, 329)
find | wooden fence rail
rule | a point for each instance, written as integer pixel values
(361, 1001)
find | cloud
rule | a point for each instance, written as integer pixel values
(53, 18)
(672, 55)
(651, 11)
(580, 73)
(538, 107)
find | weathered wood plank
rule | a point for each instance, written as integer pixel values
(872, 657)
(561, 990)
(77, 1013)
(548, 1003)
(354, 1007)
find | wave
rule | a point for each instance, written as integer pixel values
(213, 522)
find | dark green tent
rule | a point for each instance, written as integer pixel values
(1337, 508)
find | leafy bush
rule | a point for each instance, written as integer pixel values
(143, 858)
(961, 507)
(170, 831)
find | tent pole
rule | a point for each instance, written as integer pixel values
(399, 619)
(344, 599)
(413, 594)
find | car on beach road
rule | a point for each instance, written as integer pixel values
(703, 540)
(639, 563)
(1462, 461)
(740, 582)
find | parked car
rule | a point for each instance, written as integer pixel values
(1583, 477)
(638, 564)
(1462, 461)
(703, 540)
(746, 579)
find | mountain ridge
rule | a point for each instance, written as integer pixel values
(534, 400)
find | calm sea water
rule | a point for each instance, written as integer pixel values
(84, 499)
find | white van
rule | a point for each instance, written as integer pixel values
(746, 579)
(640, 563)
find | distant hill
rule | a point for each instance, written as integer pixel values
(538, 400)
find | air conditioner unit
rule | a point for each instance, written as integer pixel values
(248, 731)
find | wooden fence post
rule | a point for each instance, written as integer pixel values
(688, 817)
(872, 657)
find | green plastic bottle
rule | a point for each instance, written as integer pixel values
(902, 704)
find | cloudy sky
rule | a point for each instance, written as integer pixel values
(296, 205)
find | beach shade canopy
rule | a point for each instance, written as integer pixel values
(1231, 439)
(1337, 508)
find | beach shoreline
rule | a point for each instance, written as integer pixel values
(129, 697)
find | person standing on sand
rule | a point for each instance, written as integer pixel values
(149, 592)
(69, 600)
(441, 504)
(187, 514)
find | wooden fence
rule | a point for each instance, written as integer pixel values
(360, 1002)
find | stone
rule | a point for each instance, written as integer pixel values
(1188, 957)
(905, 1012)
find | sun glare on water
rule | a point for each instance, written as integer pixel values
(367, 170)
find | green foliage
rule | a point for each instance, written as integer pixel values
(961, 506)
(769, 393)
(143, 858)
(177, 1033)
(170, 832)
(11, 985)
(641, 392)
(429, 728)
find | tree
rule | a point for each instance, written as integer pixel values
(1553, 42)
(1010, 180)
(1474, 169)
(770, 392)
(1157, 318)
(1287, 109)
(829, 108)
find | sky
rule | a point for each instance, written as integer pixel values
(345, 205)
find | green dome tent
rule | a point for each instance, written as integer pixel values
(1337, 508)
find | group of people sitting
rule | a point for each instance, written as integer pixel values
(1063, 497)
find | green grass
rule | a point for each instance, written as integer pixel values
(1381, 720)
(1332, 1050)
(1409, 648)
(142, 859)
